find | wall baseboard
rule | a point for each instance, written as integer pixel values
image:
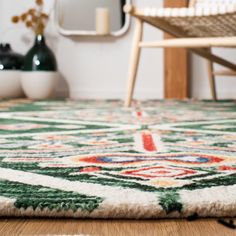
(139, 94)
(222, 94)
(110, 94)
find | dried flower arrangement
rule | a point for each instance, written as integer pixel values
(34, 18)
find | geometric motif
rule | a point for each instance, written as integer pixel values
(158, 159)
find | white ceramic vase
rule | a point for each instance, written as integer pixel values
(39, 84)
(10, 84)
(10, 66)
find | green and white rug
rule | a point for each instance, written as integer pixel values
(159, 159)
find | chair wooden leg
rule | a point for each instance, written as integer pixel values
(211, 78)
(134, 61)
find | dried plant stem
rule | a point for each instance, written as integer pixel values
(34, 18)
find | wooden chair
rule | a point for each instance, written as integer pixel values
(201, 26)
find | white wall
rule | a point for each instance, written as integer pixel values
(97, 68)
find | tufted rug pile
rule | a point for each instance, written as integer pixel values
(96, 159)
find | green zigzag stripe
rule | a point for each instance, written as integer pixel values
(43, 197)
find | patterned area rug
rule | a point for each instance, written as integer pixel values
(159, 159)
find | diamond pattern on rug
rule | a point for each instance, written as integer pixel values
(96, 159)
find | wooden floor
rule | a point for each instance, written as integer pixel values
(113, 228)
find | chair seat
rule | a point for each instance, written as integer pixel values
(213, 20)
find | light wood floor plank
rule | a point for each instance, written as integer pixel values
(208, 227)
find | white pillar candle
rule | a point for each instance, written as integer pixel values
(102, 21)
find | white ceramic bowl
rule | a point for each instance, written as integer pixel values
(10, 84)
(38, 84)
